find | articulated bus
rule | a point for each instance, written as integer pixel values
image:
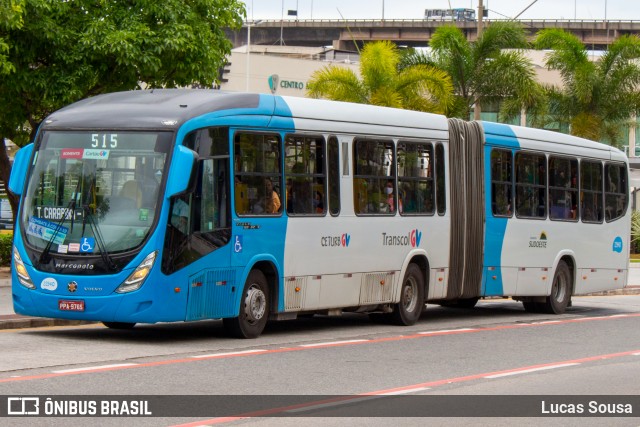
(185, 205)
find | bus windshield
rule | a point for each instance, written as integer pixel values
(94, 192)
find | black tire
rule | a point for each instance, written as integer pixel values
(408, 310)
(119, 325)
(254, 308)
(560, 296)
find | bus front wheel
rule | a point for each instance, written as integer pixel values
(254, 308)
(558, 301)
(408, 310)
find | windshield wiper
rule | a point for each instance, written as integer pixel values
(102, 247)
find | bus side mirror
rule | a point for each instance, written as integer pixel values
(19, 169)
(181, 170)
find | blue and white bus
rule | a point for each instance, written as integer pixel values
(184, 205)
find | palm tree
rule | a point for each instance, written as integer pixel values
(420, 87)
(597, 98)
(489, 70)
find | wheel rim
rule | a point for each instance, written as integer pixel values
(560, 287)
(255, 304)
(410, 295)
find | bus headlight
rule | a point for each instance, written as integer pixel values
(21, 270)
(137, 278)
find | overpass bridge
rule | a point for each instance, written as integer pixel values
(596, 34)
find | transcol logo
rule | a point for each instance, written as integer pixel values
(412, 239)
(336, 241)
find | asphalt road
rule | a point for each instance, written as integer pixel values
(495, 349)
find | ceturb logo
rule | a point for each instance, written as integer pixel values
(336, 241)
(412, 239)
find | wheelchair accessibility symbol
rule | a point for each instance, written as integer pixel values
(237, 246)
(87, 245)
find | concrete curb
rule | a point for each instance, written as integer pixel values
(629, 290)
(22, 322)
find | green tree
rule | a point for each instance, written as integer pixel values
(489, 70)
(56, 52)
(10, 17)
(597, 97)
(420, 87)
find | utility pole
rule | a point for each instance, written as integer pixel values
(476, 107)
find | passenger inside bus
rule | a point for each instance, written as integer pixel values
(406, 201)
(272, 200)
(389, 193)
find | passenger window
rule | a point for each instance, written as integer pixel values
(615, 191)
(591, 191)
(257, 174)
(416, 194)
(441, 201)
(531, 185)
(501, 183)
(334, 176)
(563, 189)
(305, 175)
(374, 189)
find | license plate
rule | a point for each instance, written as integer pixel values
(71, 305)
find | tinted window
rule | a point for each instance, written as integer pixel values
(441, 201)
(374, 189)
(563, 188)
(531, 178)
(334, 176)
(257, 174)
(501, 183)
(415, 178)
(591, 191)
(615, 191)
(305, 175)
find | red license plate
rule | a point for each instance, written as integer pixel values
(71, 305)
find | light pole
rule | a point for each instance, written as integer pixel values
(249, 25)
(282, 25)
(605, 21)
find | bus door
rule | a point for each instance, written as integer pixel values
(197, 247)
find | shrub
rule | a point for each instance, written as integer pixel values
(635, 231)
(6, 241)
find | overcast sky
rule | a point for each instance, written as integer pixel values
(414, 9)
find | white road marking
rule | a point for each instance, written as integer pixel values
(446, 331)
(319, 344)
(233, 353)
(93, 368)
(526, 371)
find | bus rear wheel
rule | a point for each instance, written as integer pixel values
(119, 325)
(254, 308)
(408, 310)
(558, 301)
